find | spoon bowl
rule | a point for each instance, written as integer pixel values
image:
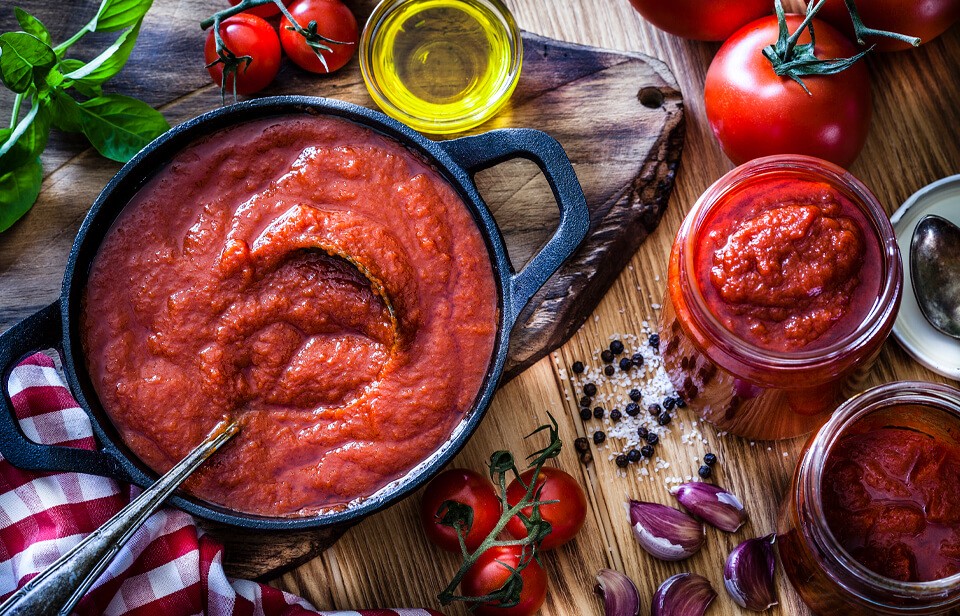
(935, 272)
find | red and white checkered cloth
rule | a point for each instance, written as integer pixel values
(168, 567)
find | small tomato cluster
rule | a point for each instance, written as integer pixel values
(243, 54)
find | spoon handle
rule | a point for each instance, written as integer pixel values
(61, 585)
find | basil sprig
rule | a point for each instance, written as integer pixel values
(54, 90)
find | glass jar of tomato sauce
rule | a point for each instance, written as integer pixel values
(871, 524)
(784, 281)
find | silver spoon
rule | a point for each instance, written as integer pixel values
(61, 585)
(935, 272)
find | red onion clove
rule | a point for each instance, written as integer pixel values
(685, 594)
(666, 533)
(748, 574)
(713, 505)
(620, 594)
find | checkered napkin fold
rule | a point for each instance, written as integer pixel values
(168, 567)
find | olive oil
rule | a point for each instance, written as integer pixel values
(442, 65)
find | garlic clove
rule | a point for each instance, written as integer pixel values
(666, 533)
(713, 505)
(685, 594)
(748, 574)
(620, 594)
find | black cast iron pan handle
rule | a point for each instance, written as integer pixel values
(483, 151)
(39, 331)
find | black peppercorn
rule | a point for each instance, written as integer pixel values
(590, 390)
(633, 455)
(581, 444)
(585, 401)
(625, 364)
(654, 409)
(669, 403)
(616, 347)
(615, 415)
(646, 451)
(642, 432)
(599, 437)
(654, 340)
(606, 356)
(637, 359)
(680, 402)
(585, 414)
(622, 461)
(710, 459)
(609, 370)
(652, 438)
(663, 418)
(586, 457)
(598, 412)
(578, 367)
(633, 409)
(635, 393)
(704, 471)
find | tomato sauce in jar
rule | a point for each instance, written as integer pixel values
(871, 524)
(784, 281)
(314, 280)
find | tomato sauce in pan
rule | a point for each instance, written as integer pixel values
(310, 277)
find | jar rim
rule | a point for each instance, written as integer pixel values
(810, 470)
(881, 313)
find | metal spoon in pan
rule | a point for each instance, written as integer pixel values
(61, 585)
(935, 272)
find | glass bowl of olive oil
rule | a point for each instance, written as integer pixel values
(441, 66)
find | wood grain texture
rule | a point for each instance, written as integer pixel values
(386, 561)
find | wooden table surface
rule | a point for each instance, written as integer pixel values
(386, 561)
(915, 139)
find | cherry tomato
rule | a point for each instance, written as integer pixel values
(463, 486)
(246, 35)
(489, 574)
(566, 516)
(754, 112)
(264, 10)
(703, 20)
(334, 21)
(927, 19)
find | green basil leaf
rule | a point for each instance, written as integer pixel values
(32, 25)
(27, 142)
(109, 62)
(18, 131)
(21, 54)
(18, 191)
(119, 14)
(120, 126)
(66, 112)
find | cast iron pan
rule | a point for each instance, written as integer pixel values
(57, 325)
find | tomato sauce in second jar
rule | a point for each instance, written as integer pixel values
(788, 266)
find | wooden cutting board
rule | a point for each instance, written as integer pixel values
(618, 115)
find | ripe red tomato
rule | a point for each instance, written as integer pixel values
(264, 10)
(334, 21)
(927, 19)
(754, 112)
(566, 517)
(245, 35)
(463, 486)
(703, 20)
(488, 575)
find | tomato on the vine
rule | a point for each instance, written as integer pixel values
(926, 19)
(566, 517)
(712, 20)
(466, 487)
(245, 35)
(754, 112)
(333, 21)
(490, 573)
(264, 10)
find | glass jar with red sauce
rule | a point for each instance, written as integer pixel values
(784, 281)
(871, 524)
